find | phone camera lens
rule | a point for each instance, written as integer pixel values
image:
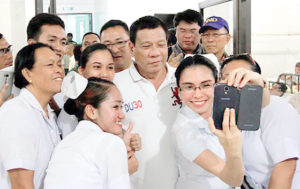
(226, 88)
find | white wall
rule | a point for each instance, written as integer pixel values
(275, 25)
(15, 14)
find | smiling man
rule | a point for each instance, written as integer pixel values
(49, 29)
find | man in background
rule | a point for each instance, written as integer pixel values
(215, 36)
(115, 35)
(187, 24)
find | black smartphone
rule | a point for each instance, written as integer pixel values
(224, 97)
(250, 107)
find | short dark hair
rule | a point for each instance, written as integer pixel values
(146, 22)
(246, 57)
(189, 16)
(36, 23)
(283, 87)
(70, 34)
(89, 33)
(77, 52)
(298, 64)
(113, 23)
(196, 60)
(85, 55)
(1, 36)
(25, 58)
(95, 92)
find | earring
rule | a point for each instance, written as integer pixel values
(30, 81)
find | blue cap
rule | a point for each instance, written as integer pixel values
(215, 23)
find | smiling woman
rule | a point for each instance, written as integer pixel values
(93, 156)
(28, 119)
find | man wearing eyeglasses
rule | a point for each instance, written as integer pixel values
(115, 35)
(215, 36)
(6, 60)
(187, 24)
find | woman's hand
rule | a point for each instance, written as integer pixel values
(132, 140)
(230, 137)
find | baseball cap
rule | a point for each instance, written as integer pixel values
(214, 22)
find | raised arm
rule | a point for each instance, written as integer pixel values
(231, 170)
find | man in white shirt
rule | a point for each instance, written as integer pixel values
(6, 60)
(151, 103)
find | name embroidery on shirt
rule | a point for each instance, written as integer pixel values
(133, 105)
(177, 100)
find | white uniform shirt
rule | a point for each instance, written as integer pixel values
(88, 158)
(192, 137)
(66, 122)
(27, 137)
(277, 139)
(152, 113)
(295, 101)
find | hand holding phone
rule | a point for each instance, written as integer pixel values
(246, 102)
(6, 82)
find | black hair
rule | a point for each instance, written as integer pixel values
(113, 23)
(189, 16)
(246, 57)
(95, 92)
(297, 64)
(283, 87)
(25, 58)
(36, 23)
(196, 60)
(89, 33)
(146, 22)
(77, 52)
(85, 55)
(1, 36)
(70, 34)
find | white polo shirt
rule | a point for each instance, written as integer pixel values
(277, 139)
(192, 137)
(88, 158)
(152, 113)
(27, 137)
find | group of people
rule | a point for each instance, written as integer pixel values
(136, 113)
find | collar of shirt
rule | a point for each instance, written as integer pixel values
(135, 75)
(32, 101)
(89, 125)
(195, 119)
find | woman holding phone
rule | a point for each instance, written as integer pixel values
(93, 156)
(207, 157)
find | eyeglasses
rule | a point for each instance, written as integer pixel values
(5, 50)
(190, 88)
(213, 35)
(119, 44)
